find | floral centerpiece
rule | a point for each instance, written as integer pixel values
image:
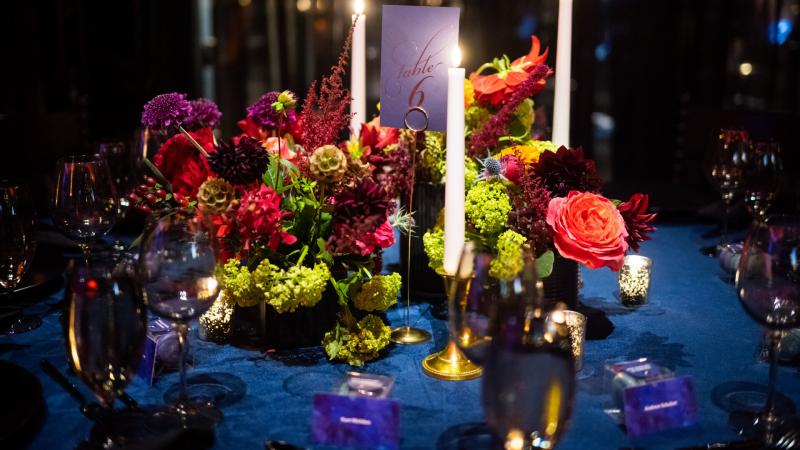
(297, 216)
(527, 192)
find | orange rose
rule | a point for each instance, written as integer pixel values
(588, 229)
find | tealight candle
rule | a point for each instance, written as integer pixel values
(634, 280)
(576, 326)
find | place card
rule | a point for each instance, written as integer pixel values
(147, 368)
(417, 45)
(356, 421)
(660, 406)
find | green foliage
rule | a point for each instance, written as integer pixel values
(521, 125)
(358, 344)
(487, 207)
(433, 158)
(379, 293)
(544, 264)
(509, 260)
(433, 243)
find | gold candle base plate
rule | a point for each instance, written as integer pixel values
(409, 335)
(450, 364)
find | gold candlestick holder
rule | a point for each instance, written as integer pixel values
(450, 363)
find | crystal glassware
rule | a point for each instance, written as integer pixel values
(177, 269)
(768, 284)
(85, 200)
(106, 326)
(762, 178)
(728, 159)
(125, 166)
(17, 247)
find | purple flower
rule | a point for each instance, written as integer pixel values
(166, 110)
(262, 113)
(204, 113)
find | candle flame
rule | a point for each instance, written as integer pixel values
(358, 7)
(456, 56)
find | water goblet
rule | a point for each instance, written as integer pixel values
(768, 284)
(17, 247)
(85, 200)
(177, 270)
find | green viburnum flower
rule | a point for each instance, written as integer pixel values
(360, 345)
(434, 157)
(285, 290)
(470, 172)
(433, 243)
(487, 206)
(238, 284)
(379, 293)
(509, 259)
(475, 117)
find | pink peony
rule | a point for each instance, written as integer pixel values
(588, 228)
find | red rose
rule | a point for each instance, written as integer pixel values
(588, 229)
(182, 164)
(512, 168)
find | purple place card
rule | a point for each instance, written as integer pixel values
(660, 406)
(352, 421)
(417, 46)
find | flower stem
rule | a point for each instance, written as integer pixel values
(193, 141)
(302, 256)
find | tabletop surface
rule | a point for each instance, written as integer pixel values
(693, 324)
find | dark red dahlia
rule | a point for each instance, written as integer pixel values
(567, 170)
(358, 214)
(637, 221)
(182, 165)
(240, 163)
(393, 169)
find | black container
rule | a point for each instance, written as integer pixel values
(562, 284)
(426, 284)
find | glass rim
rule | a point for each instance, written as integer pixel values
(80, 159)
(644, 259)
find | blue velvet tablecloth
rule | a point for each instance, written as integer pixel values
(693, 324)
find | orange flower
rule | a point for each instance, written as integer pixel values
(589, 229)
(494, 89)
(469, 93)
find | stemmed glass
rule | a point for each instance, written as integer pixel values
(125, 167)
(17, 247)
(85, 201)
(768, 284)
(177, 262)
(501, 320)
(761, 178)
(728, 159)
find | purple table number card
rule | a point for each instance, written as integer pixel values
(660, 406)
(417, 46)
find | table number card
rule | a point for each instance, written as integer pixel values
(417, 46)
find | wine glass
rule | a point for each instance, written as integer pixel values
(17, 247)
(728, 159)
(106, 326)
(500, 319)
(177, 262)
(124, 165)
(85, 201)
(761, 178)
(768, 284)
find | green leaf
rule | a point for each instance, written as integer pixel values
(158, 175)
(616, 202)
(544, 264)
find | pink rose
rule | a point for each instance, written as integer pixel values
(588, 229)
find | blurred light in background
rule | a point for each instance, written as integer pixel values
(779, 31)
(745, 69)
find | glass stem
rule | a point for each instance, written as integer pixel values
(183, 346)
(725, 213)
(769, 416)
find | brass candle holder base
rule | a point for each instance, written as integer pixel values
(450, 364)
(409, 335)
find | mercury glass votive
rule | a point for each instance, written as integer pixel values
(634, 280)
(576, 326)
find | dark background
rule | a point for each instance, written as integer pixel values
(651, 78)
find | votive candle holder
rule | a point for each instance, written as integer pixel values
(634, 280)
(576, 327)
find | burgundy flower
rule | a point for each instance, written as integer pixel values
(529, 217)
(567, 170)
(393, 169)
(180, 162)
(204, 113)
(637, 221)
(259, 216)
(358, 215)
(241, 163)
(512, 168)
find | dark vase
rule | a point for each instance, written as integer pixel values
(562, 284)
(263, 328)
(427, 202)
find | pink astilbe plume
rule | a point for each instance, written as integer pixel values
(488, 136)
(325, 115)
